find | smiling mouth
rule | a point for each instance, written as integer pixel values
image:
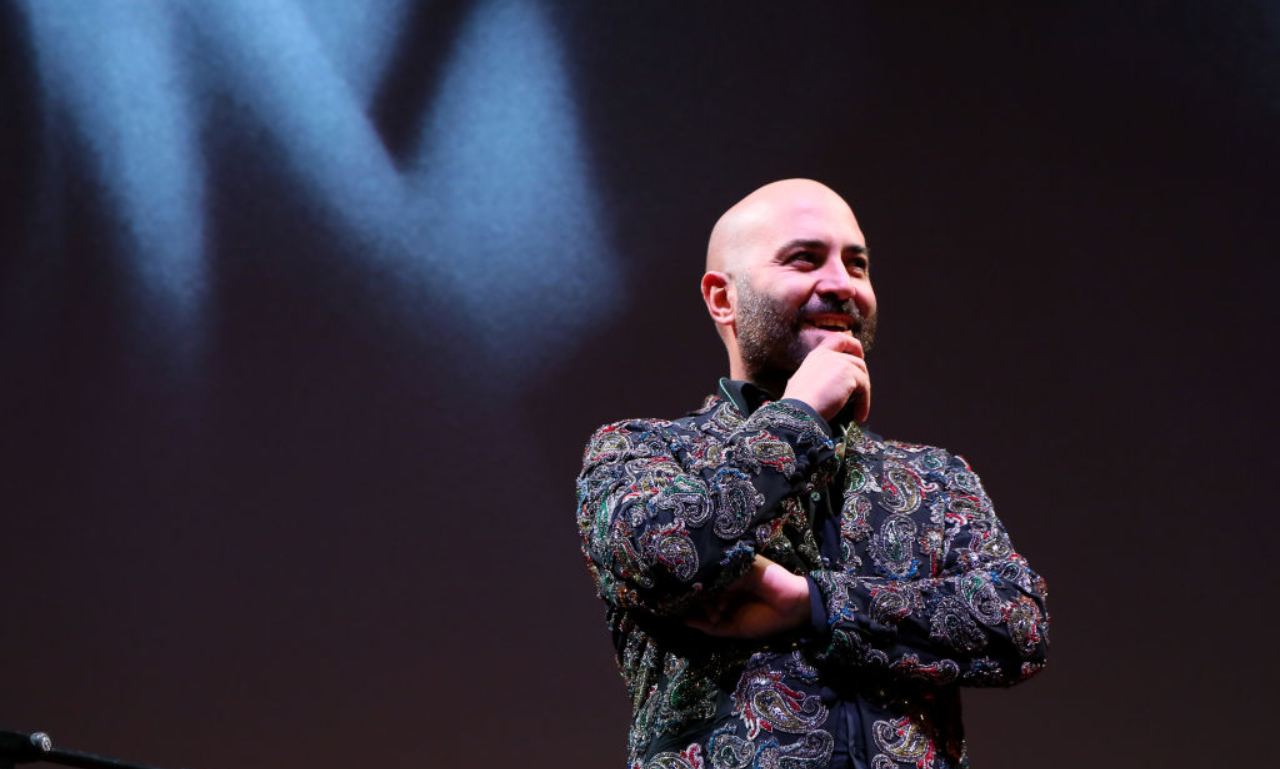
(838, 325)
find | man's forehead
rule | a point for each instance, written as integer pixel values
(780, 213)
(810, 224)
(810, 220)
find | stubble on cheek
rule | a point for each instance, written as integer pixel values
(768, 339)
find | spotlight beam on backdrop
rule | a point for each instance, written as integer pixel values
(504, 188)
(115, 87)
(482, 206)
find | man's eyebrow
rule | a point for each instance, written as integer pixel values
(815, 244)
(809, 243)
(857, 250)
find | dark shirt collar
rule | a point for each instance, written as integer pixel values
(747, 396)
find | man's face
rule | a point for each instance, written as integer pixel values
(805, 276)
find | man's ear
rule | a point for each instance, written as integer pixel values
(717, 293)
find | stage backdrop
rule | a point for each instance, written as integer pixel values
(307, 308)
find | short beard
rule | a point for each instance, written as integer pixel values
(769, 335)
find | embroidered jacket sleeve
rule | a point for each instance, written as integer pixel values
(667, 510)
(980, 620)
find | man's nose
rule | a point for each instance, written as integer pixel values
(835, 280)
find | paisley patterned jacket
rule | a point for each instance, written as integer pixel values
(927, 593)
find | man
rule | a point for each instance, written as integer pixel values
(784, 587)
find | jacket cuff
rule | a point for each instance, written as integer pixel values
(817, 609)
(805, 407)
(797, 424)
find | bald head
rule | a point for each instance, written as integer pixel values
(752, 221)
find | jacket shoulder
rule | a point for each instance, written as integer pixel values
(611, 441)
(713, 410)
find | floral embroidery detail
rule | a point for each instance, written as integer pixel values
(939, 672)
(689, 758)
(980, 597)
(901, 741)
(892, 548)
(671, 548)
(763, 701)
(893, 602)
(737, 503)
(854, 516)
(952, 624)
(902, 490)
(683, 498)
(731, 751)
(1024, 626)
(765, 450)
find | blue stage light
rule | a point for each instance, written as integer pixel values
(491, 213)
(504, 191)
(114, 84)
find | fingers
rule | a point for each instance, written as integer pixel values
(830, 374)
(845, 343)
(859, 377)
(717, 615)
(709, 612)
(703, 626)
(861, 380)
(751, 619)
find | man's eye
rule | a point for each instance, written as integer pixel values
(805, 256)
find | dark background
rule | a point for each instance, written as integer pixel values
(312, 504)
